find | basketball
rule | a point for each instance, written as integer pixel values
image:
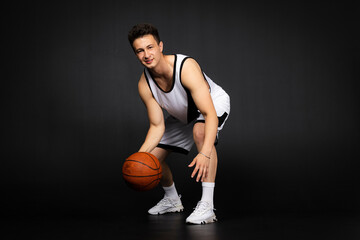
(142, 171)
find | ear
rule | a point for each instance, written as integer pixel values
(161, 45)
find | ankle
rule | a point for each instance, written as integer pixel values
(208, 193)
(171, 192)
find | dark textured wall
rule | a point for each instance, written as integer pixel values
(71, 113)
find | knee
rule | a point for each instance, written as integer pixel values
(199, 135)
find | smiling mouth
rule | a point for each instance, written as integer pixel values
(148, 61)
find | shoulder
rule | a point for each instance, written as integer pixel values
(142, 80)
(143, 87)
(191, 74)
(190, 66)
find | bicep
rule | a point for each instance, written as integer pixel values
(194, 80)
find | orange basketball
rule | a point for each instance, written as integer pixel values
(142, 171)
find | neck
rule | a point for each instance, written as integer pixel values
(162, 69)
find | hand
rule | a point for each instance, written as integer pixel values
(202, 167)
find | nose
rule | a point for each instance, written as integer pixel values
(146, 54)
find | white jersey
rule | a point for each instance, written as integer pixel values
(178, 101)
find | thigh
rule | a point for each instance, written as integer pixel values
(160, 153)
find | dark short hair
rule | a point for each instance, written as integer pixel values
(142, 29)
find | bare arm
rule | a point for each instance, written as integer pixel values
(193, 79)
(155, 115)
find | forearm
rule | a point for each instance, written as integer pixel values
(211, 126)
(152, 139)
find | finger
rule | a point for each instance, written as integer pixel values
(192, 163)
(203, 176)
(199, 174)
(194, 172)
(206, 170)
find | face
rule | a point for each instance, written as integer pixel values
(147, 50)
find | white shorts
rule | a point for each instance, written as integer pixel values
(178, 136)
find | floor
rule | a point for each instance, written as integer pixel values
(139, 225)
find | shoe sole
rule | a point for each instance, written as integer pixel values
(208, 220)
(170, 210)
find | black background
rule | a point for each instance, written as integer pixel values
(71, 113)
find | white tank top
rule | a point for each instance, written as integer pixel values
(177, 101)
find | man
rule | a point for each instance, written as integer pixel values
(198, 109)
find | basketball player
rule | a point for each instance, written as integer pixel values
(198, 109)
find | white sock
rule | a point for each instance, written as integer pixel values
(171, 192)
(208, 192)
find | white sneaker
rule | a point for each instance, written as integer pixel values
(167, 205)
(202, 214)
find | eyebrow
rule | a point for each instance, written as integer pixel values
(142, 48)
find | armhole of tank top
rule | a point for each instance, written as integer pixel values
(147, 80)
(193, 112)
(174, 72)
(180, 70)
(206, 80)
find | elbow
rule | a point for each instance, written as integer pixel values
(158, 128)
(162, 129)
(212, 117)
(216, 119)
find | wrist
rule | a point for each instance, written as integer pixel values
(206, 150)
(204, 155)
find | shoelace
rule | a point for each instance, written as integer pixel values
(201, 207)
(164, 201)
(167, 200)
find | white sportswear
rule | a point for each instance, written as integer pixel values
(178, 101)
(180, 105)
